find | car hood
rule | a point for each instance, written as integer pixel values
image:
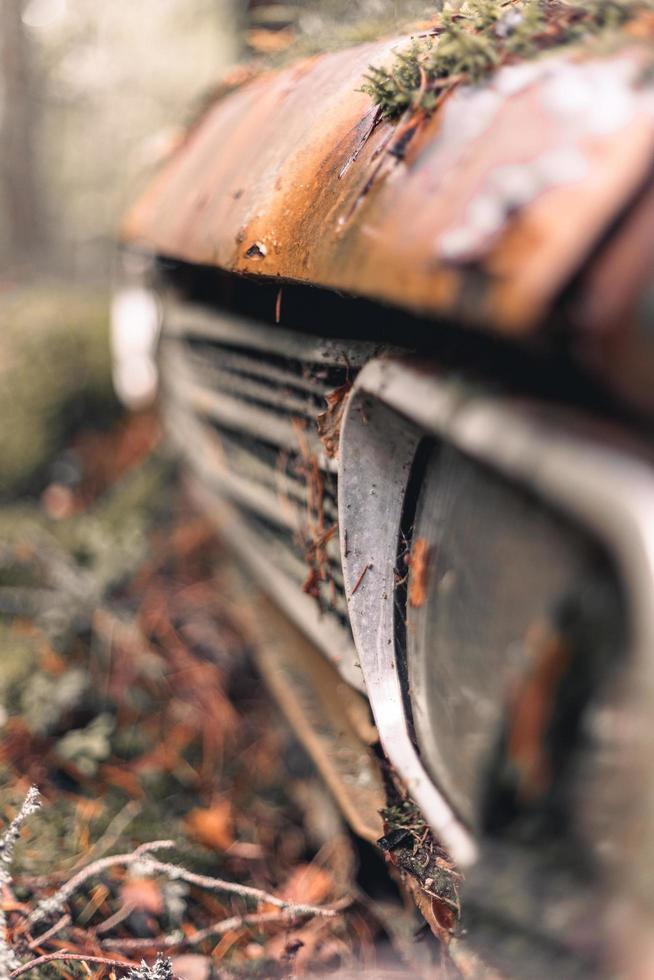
(488, 215)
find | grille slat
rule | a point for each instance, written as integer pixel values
(207, 460)
(282, 429)
(240, 363)
(194, 323)
(279, 398)
(277, 478)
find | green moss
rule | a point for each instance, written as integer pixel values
(55, 372)
(18, 659)
(469, 40)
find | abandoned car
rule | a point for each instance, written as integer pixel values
(398, 300)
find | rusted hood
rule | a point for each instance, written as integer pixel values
(501, 196)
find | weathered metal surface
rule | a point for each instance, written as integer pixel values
(610, 494)
(331, 719)
(375, 465)
(499, 200)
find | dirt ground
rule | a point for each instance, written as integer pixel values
(129, 698)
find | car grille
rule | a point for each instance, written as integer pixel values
(243, 402)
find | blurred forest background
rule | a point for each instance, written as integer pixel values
(92, 95)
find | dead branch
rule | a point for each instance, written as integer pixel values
(64, 921)
(216, 929)
(66, 957)
(150, 865)
(113, 833)
(31, 804)
(54, 903)
(245, 891)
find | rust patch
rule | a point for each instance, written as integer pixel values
(531, 709)
(419, 570)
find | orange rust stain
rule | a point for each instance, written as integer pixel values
(419, 563)
(531, 710)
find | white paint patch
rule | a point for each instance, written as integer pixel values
(589, 100)
(135, 324)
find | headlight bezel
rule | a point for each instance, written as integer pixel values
(608, 492)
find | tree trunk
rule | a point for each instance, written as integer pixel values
(21, 191)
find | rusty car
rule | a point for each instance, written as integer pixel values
(397, 300)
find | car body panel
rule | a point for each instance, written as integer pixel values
(494, 208)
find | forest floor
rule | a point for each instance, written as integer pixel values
(129, 699)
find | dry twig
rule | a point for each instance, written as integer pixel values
(221, 928)
(245, 891)
(54, 903)
(66, 957)
(64, 921)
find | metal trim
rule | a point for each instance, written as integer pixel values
(184, 319)
(377, 451)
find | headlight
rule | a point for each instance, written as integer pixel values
(522, 651)
(513, 617)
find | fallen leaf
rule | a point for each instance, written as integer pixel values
(143, 894)
(444, 914)
(190, 966)
(329, 421)
(308, 884)
(213, 827)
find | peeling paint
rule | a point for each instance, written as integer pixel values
(592, 99)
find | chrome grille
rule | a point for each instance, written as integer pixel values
(242, 402)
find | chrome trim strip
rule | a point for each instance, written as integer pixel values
(377, 451)
(183, 319)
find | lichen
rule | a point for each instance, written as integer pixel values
(8, 840)
(471, 39)
(161, 969)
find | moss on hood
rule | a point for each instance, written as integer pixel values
(469, 40)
